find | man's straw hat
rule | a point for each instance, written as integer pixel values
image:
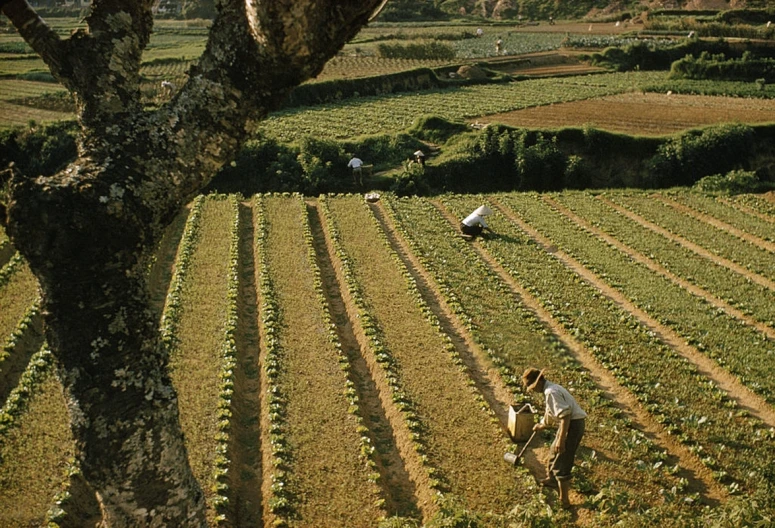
(531, 377)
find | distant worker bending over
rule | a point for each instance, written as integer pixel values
(473, 224)
(357, 166)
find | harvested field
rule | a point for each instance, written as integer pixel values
(650, 114)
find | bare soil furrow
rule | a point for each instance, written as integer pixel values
(721, 261)
(718, 224)
(706, 366)
(658, 268)
(395, 482)
(699, 477)
(245, 445)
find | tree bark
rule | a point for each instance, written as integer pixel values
(88, 231)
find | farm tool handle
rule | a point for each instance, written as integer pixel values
(526, 444)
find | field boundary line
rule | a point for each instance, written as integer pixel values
(746, 398)
(659, 269)
(747, 209)
(696, 248)
(715, 222)
(622, 398)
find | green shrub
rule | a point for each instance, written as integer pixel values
(718, 67)
(412, 181)
(435, 129)
(691, 156)
(428, 50)
(38, 150)
(734, 182)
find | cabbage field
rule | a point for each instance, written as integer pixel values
(343, 363)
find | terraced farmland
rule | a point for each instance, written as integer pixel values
(340, 363)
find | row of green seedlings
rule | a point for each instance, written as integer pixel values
(636, 439)
(222, 462)
(39, 368)
(755, 202)
(724, 283)
(11, 267)
(350, 392)
(723, 245)
(733, 216)
(18, 332)
(281, 501)
(631, 374)
(371, 329)
(729, 342)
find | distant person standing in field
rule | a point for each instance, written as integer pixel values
(419, 157)
(498, 46)
(563, 410)
(479, 32)
(357, 166)
(473, 224)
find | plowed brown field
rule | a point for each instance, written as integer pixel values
(642, 113)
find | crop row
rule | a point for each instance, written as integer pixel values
(756, 202)
(760, 227)
(36, 445)
(733, 344)
(752, 299)
(313, 406)
(689, 405)
(514, 338)
(401, 311)
(725, 245)
(394, 112)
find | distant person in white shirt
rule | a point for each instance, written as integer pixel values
(357, 166)
(562, 410)
(473, 224)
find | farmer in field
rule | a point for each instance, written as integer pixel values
(561, 410)
(498, 46)
(473, 224)
(357, 166)
(419, 157)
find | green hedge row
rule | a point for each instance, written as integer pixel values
(501, 158)
(642, 56)
(718, 67)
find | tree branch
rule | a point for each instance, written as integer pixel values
(36, 33)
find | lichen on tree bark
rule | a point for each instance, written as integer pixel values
(88, 231)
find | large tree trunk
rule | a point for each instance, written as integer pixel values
(88, 231)
(89, 255)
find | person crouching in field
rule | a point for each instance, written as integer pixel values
(473, 224)
(561, 409)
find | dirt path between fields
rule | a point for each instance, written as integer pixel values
(657, 268)
(396, 485)
(746, 398)
(699, 477)
(718, 224)
(245, 441)
(753, 277)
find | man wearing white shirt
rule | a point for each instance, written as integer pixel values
(357, 166)
(561, 409)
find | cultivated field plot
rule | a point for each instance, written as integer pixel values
(340, 362)
(636, 113)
